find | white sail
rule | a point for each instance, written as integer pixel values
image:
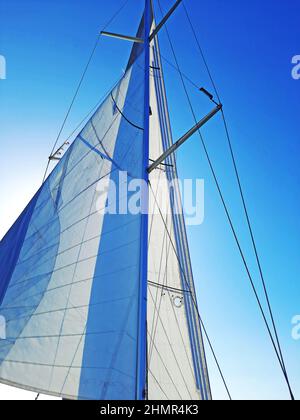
(71, 273)
(176, 360)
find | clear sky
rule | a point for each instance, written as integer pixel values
(249, 46)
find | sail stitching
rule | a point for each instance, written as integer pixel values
(155, 321)
(172, 349)
(160, 268)
(68, 301)
(194, 331)
(73, 246)
(195, 304)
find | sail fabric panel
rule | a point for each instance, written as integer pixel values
(16, 307)
(50, 285)
(176, 357)
(169, 350)
(112, 328)
(11, 245)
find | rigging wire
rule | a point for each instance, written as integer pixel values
(157, 306)
(80, 84)
(227, 213)
(95, 107)
(157, 382)
(170, 345)
(223, 116)
(37, 397)
(166, 369)
(236, 171)
(87, 116)
(179, 262)
(155, 320)
(193, 297)
(242, 195)
(184, 75)
(169, 290)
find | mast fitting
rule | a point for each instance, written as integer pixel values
(184, 138)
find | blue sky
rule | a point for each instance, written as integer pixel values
(249, 47)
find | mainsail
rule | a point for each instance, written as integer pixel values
(176, 357)
(71, 272)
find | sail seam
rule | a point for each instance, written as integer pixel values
(195, 345)
(171, 348)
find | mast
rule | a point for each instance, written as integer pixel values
(142, 351)
(176, 349)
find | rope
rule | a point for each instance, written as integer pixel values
(80, 84)
(242, 195)
(124, 116)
